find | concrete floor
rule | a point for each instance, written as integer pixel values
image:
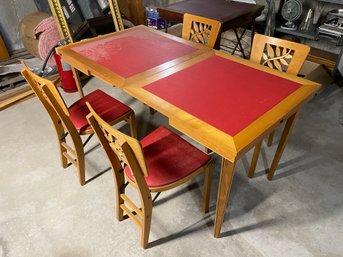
(45, 212)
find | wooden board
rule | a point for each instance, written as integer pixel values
(322, 57)
(15, 97)
(3, 50)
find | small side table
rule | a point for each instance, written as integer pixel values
(232, 15)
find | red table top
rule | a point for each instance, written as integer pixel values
(133, 51)
(223, 93)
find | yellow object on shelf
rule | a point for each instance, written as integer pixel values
(3, 50)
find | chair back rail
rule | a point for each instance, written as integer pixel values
(200, 29)
(280, 54)
(54, 104)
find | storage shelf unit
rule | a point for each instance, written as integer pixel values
(298, 33)
(332, 1)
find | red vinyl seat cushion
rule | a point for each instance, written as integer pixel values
(169, 158)
(106, 106)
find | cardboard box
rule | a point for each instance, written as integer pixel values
(316, 72)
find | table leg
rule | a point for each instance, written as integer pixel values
(165, 25)
(78, 82)
(282, 144)
(254, 159)
(225, 182)
(239, 42)
(252, 33)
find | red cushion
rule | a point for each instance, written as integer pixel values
(106, 106)
(169, 158)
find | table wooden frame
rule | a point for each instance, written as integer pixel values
(91, 68)
(231, 148)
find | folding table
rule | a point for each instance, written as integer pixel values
(231, 14)
(225, 103)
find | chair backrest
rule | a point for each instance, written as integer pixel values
(37, 83)
(51, 98)
(119, 148)
(280, 54)
(200, 29)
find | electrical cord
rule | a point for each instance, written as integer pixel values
(51, 52)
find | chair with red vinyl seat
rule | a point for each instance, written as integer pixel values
(71, 121)
(160, 161)
(280, 54)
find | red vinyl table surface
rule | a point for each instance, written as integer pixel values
(223, 93)
(133, 52)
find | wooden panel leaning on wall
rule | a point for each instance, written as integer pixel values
(3, 50)
(133, 10)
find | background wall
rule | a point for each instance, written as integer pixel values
(11, 13)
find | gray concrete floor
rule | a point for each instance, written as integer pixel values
(45, 212)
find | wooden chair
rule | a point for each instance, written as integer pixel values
(160, 161)
(71, 121)
(283, 55)
(201, 30)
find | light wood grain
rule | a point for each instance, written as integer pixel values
(58, 111)
(280, 54)
(283, 55)
(91, 68)
(200, 29)
(121, 148)
(231, 148)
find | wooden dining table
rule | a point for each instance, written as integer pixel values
(225, 103)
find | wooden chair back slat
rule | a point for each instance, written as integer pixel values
(54, 104)
(275, 53)
(36, 82)
(127, 149)
(200, 29)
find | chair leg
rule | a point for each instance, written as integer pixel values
(119, 182)
(253, 163)
(133, 126)
(80, 157)
(270, 138)
(146, 224)
(64, 159)
(61, 135)
(207, 186)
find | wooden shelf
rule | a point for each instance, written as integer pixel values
(298, 33)
(332, 1)
(322, 57)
